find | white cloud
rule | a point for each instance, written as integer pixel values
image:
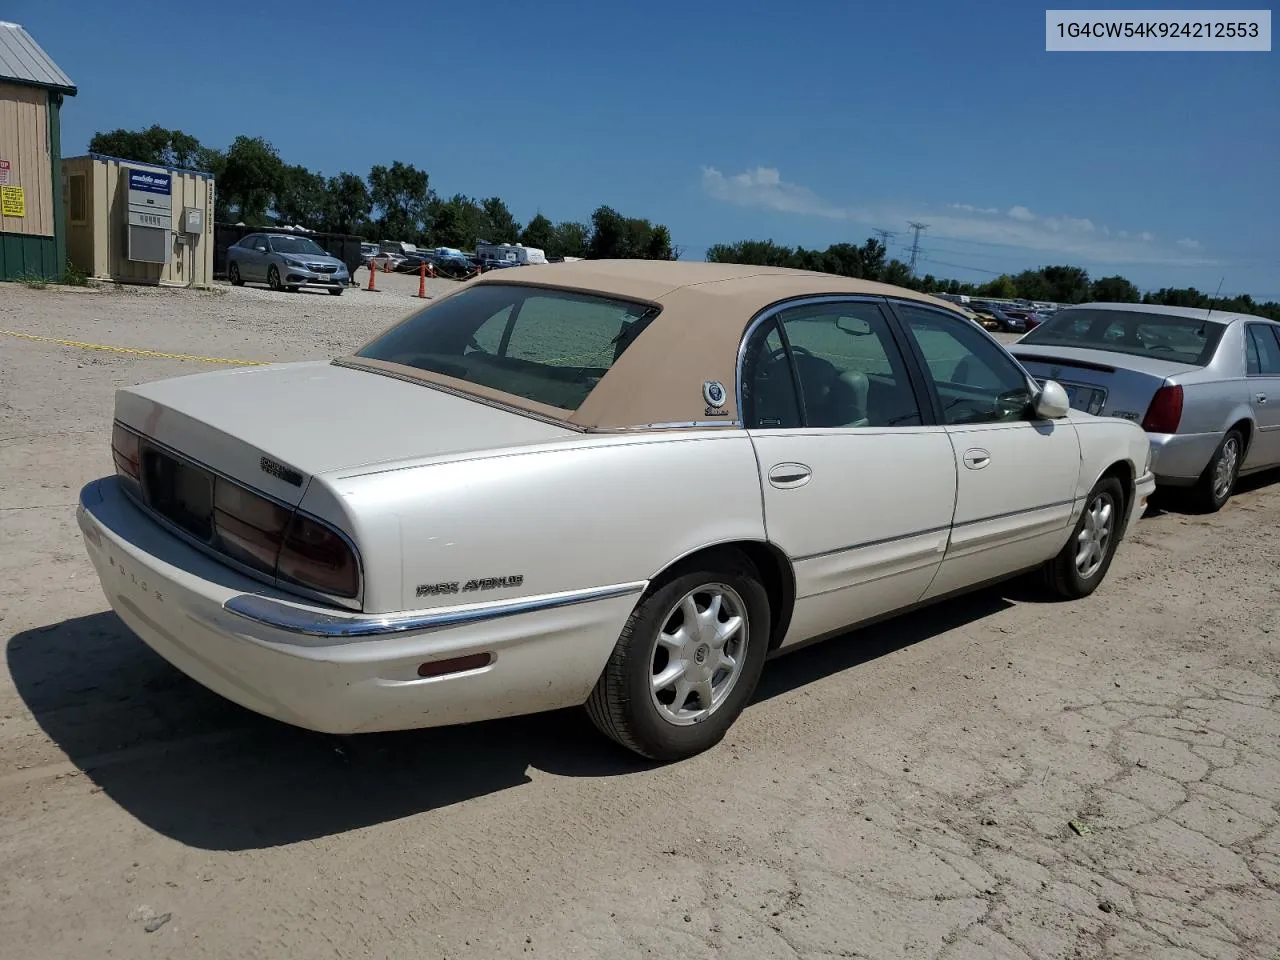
(764, 187)
(1017, 227)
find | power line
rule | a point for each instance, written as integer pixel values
(961, 266)
(915, 243)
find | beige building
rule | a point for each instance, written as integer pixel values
(138, 222)
(32, 88)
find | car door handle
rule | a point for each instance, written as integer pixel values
(976, 459)
(787, 475)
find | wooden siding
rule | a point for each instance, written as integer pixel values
(24, 142)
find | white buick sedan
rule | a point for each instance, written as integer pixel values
(623, 485)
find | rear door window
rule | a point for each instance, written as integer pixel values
(1264, 351)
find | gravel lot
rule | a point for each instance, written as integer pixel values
(902, 792)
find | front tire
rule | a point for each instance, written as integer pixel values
(335, 291)
(687, 661)
(1218, 481)
(273, 277)
(1083, 562)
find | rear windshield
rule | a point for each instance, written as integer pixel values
(1189, 340)
(295, 245)
(548, 346)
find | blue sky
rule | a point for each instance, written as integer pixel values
(806, 123)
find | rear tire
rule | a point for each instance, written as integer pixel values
(1214, 488)
(335, 291)
(1082, 564)
(233, 274)
(663, 654)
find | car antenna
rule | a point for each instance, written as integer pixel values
(1200, 332)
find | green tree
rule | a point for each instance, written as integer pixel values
(301, 198)
(457, 222)
(141, 146)
(1003, 287)
(763, 253)
(402, 195)
(251, 178)
(896, 272)
(539, 232)
(1114, 290)
(659, 246)
(1067, 284)
(614, 236)
(348, 204)
(872, 254)
(569, 239)
(499, 225)
(1032, 285)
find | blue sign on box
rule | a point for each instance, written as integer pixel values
(148, 182)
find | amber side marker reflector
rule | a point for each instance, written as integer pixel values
(439, 668)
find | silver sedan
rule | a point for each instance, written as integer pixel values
(1204, 385)
(285, 262)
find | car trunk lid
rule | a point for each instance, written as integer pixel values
(1099, 381)
(274, 427)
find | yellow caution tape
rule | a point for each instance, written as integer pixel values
(132, 351)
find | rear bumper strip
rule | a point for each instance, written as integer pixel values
(309, 621)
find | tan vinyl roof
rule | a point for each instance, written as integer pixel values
(706, 308)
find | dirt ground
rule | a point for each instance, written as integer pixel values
(904, 791)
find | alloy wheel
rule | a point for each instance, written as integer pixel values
(699, 654)
(1095, 535)
(1224, 471)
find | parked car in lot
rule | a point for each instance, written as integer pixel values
(1028, 319)
(1004, 321)
(1204, 385)
(618, 484)
(285, 262)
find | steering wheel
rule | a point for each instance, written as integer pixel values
(781, 352)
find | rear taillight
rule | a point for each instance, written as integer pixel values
(248, 528)
(317, 557)
(1165, 412)
(125, 452)
(266, 536)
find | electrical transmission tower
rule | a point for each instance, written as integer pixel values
(885, 236)
(915, 243)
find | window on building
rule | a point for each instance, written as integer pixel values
(78, 198)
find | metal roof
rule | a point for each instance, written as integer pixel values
(23, 61)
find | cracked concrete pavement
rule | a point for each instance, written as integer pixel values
(904, 791)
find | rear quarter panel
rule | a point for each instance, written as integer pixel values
(588, 512)
(1104, 442)
(1217, 396)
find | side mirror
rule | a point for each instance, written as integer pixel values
(1052, 402)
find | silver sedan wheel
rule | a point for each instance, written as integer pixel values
(1095, 535)
(1224, 472)
(699, 654)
